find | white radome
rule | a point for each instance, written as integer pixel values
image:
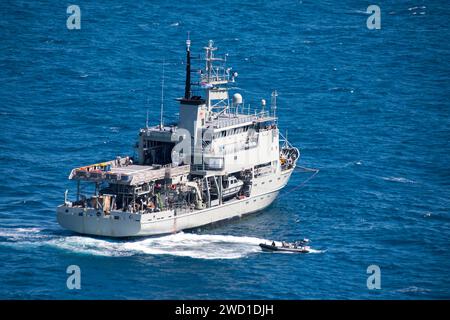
(237, 99)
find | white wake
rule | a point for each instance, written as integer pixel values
(180, 244)
(199, 246)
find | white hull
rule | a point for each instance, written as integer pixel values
(125, 224)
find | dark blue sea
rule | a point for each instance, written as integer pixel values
(368, 108)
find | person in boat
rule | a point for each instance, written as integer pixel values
(273, 243)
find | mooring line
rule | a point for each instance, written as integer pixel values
(316, 171)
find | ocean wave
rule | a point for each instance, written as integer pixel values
(415, 8)
(342, 89)
(398, 179)
(413, 289)
(17, 234)
(316, 251)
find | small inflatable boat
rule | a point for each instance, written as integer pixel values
(284, 248)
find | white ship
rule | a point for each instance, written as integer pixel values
(219, 161)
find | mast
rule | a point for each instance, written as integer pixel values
(209, 57)
(274, 103)
(161, 124)
(187, 86)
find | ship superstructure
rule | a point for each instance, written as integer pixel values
(218, 162)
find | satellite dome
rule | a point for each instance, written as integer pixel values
(237, 99)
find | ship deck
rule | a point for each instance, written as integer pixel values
(131, 174)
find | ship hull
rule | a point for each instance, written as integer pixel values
(126, 224)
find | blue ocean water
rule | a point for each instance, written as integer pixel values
(369, 108)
